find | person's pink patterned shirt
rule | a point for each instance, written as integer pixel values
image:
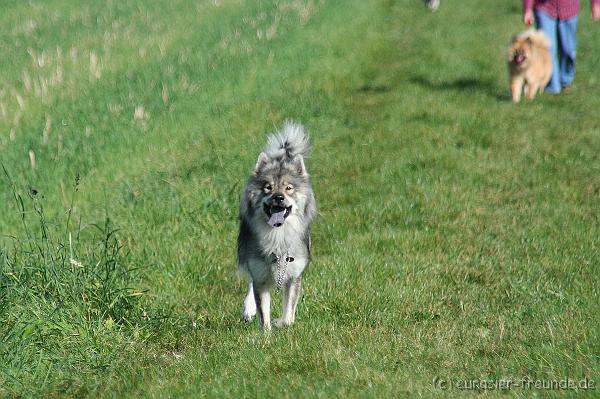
(561, 9)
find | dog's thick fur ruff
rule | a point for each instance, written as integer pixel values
(277, 208)
(529, 64)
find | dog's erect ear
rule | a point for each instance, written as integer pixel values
(261, 162)
(298, 163)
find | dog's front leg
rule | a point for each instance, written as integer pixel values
(262, 297)
(533, 90)
(290, 301)
(296, 285)
(516, 86)
(249, 308)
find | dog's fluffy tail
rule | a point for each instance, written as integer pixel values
(290, 141)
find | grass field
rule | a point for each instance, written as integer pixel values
(457, 236)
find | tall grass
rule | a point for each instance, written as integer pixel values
(69, 300)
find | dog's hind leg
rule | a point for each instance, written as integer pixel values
(290, 301)
(249, 307)
(262, 297)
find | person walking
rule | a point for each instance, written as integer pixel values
(558, 19)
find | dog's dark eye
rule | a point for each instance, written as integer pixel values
(289, 187)
(268, 187)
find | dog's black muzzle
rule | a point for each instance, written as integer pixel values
(277, 199)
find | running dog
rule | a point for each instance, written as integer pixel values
(529, 64)
(277, 208)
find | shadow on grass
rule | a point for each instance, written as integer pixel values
(463, 85)
(374, 88)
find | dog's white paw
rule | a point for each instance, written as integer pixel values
(432, 4)
(281, 323)
(248, 310)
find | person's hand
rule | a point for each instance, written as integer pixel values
(528, 18)
(596, 12)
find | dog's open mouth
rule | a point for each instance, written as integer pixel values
(277, 214)
(519, 58)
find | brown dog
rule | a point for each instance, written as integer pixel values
(529, 64)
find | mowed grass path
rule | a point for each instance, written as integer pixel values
(457, 236)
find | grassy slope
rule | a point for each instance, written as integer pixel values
(457, 233)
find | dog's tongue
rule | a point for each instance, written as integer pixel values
(277, 219)
(519, 58)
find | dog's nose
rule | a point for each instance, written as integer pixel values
(278, 197)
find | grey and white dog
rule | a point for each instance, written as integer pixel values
(277, 208)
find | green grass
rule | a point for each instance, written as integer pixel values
(457, 235)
